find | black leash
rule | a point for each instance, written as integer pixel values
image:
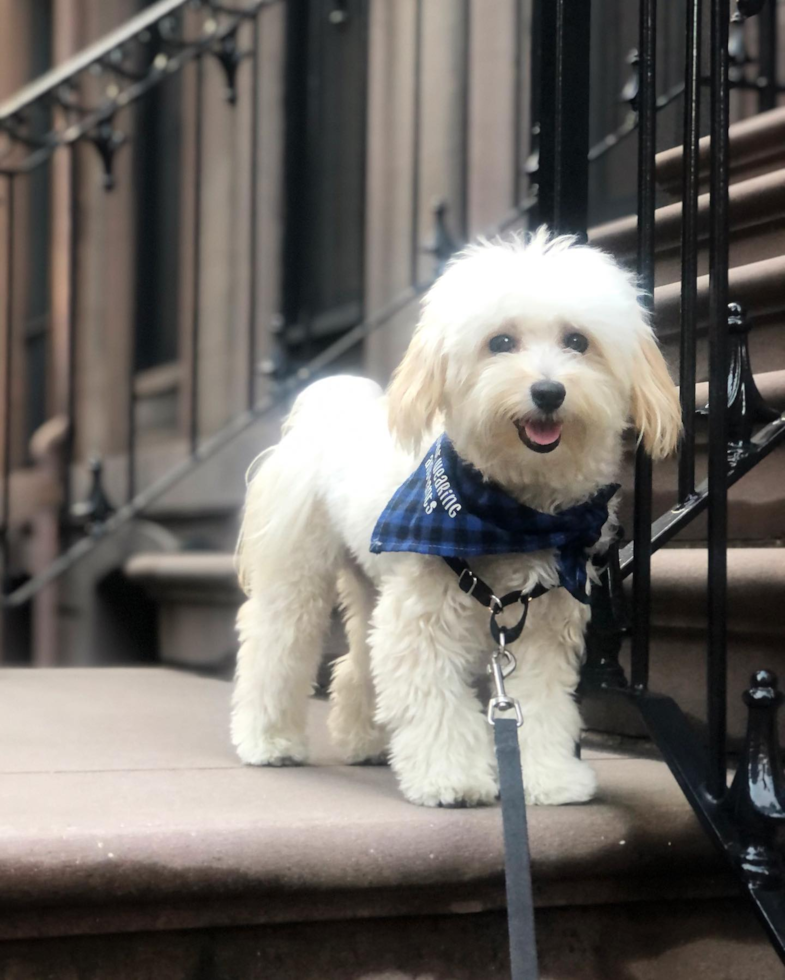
(517, 862)
(517, 865)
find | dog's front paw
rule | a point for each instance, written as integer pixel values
(567, 781)
(448, 788)
(255, 749)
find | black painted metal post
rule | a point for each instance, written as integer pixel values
(416, 127)
(767, 56)
(197, 255)
(563, 173)
(465, 83)
(647, 139)
(71, 349)
(718, 398)
(517, 165)
(602, 670)
(253, 234)
(689, 246)
(8, 348)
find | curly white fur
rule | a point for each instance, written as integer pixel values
(406, 684)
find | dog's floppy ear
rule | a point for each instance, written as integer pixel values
(656, 410)
(417, 388)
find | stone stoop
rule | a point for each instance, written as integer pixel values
(136, 847)
(197, 596)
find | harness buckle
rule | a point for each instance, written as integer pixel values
(469, 590)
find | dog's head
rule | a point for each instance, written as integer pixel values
(537, 355)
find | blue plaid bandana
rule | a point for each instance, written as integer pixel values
(446, 508)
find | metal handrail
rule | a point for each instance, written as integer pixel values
(92, 54)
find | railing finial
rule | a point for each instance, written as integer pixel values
(443, 246)
(746, 406)
(757, 795)
(93, 512)
(107, 140)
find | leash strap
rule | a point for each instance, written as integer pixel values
(518, 880)
(517, 863)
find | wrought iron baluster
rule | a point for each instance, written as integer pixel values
(8, 349)
(253, 242)
(71, 341)
(196, 295)
(517, 172)
(689, 246)
(416, 141)
(563, 168)
(647, 133)
(768, 56)
(608, 623)
(718, 414)
(465, 84)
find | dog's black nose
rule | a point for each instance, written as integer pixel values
(548, 395)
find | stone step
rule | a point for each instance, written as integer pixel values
(756, 503)
(757, 146)
(759, 287)
(756, 634)
(198, 596)
(756, 219)
(135, 846)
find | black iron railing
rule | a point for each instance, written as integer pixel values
(741, 819)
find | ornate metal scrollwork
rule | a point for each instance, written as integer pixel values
(88, 100)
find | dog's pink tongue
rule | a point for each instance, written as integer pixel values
(543, 433)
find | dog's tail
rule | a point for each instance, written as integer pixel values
(283, 482)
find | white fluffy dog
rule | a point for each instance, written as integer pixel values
(502, 318)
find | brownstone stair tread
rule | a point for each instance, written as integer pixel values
(756, 585)
(756, 144)
(758, 286)
(120, 786)
(758, 200)
(171, 572)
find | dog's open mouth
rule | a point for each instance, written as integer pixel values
(539, 435)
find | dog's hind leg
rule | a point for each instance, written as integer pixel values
(282, 627)
(353, 703)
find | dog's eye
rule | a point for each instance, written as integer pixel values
(503, 344)
(577, 342)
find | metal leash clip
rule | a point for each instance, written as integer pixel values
(502, 664)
